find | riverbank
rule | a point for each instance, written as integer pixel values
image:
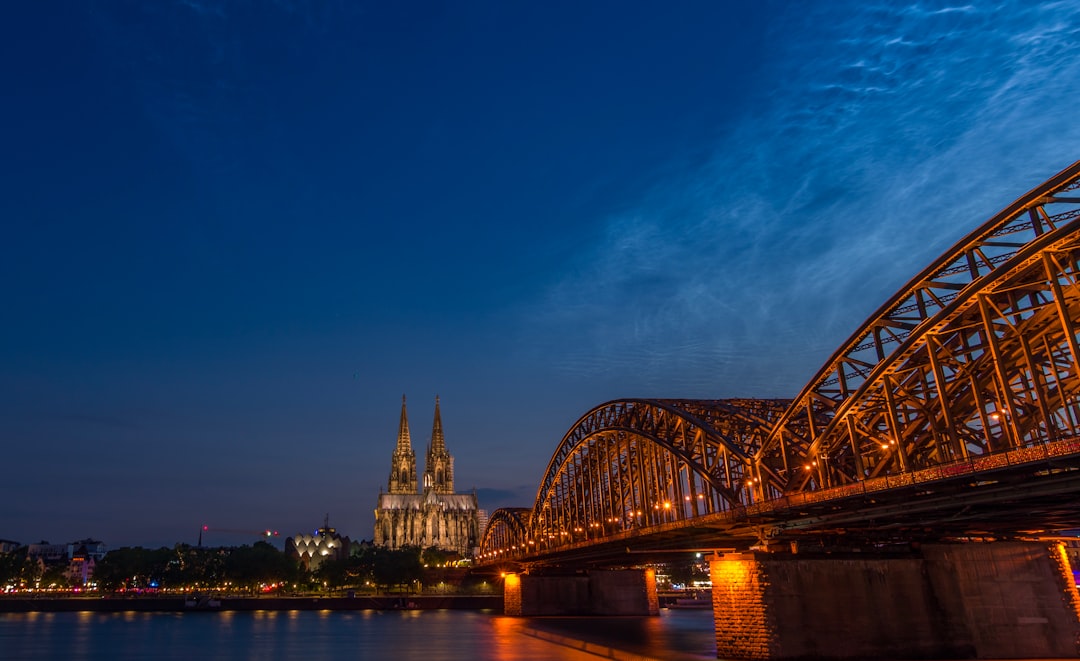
(165, 604)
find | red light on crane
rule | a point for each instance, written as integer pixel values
(265, 532)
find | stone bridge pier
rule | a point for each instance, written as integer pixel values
(597, 592)
(993, 600)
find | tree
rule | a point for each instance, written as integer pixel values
(114, 570)
(55, 576)
(259, 564)
(433, 556)
(185, 566)
(17, 568)
(132, 568)
(397, 567)
(333, 574)
(195, 566)
(353, 571)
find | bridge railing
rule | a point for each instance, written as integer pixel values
(972, 466)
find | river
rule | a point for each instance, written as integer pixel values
(432, 635)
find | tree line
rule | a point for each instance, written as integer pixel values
(242, 569)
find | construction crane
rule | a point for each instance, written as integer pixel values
(261, 533)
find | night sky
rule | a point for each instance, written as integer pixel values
(235, 233)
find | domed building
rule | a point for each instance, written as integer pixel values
(323, 544)
(434, 515)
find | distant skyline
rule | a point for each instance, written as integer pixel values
(235, 233)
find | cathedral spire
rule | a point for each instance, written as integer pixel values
(404, 442)
(439, 465)
(403, 461)
(438, 440)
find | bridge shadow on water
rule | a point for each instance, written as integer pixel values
(676, 635)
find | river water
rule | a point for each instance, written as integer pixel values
(340, 635)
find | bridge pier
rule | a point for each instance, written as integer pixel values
(981, 600)
(598, 592)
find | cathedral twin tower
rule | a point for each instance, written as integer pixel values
(435, 516)
(439, 465)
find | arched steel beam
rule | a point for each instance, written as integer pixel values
(974, 261)
(955, 366)
(507, 526)
(634, 416)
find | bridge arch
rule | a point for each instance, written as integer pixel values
(635, 463)
(506, 531)
(975, 355)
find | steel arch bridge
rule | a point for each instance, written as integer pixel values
(959, 399)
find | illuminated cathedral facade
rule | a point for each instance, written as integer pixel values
(426, 513)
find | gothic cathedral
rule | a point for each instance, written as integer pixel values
(435, 515)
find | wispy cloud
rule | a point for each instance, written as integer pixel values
(879, 137)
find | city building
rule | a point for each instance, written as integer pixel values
(482, 519)
(83, 556)
(430, 513)
(90, 548)
(48, 553)
(8, 546)
(80, 570)
(324, 544)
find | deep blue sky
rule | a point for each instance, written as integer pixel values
(234, 233)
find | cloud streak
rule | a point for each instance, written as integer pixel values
(879, 137)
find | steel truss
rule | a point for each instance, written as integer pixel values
(974, 359)
(507, 528)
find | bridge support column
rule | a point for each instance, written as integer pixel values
(599, 592)
(995, 600)
(512, 595)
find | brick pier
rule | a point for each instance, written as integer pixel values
(993, 600)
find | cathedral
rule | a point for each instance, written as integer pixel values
(434, 515)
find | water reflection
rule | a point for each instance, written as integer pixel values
(427, 635)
